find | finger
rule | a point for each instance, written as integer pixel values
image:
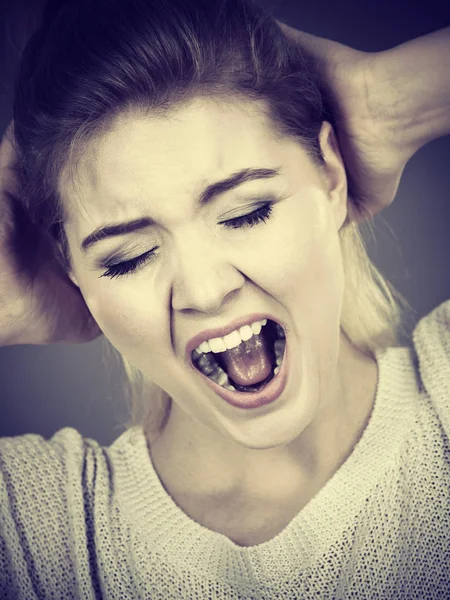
(8, 160)
(7, 150)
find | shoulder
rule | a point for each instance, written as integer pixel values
(431, 339)
(38, 473)
(32, 455)
(45, 488)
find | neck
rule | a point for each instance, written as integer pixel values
(191, 456)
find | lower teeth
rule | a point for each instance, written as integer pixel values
(219, 376)
(222, 379)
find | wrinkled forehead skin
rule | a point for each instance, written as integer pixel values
(188, 147)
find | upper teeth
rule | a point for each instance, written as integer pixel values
(232, 340)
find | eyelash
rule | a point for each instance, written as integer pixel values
(260, 215)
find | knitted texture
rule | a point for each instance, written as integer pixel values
(78, 520)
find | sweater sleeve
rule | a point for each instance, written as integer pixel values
(41, 483)
(431, 338)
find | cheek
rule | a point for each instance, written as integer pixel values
(311, 289)
(302, 258)
(129, 319)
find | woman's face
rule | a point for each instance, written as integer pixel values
(204, 275)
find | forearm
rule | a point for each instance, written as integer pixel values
(407, 87)
(412, 89)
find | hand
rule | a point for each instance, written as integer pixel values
(38, 302)
(374, 163)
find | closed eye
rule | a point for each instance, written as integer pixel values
(260, 215)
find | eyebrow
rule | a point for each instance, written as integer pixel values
(207, 195)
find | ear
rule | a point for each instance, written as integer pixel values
(62, 261)
(334, 173)
(73, 278)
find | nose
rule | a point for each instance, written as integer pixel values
(203, 277)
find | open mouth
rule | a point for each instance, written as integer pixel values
(271, 341)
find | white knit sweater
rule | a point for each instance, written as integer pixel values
(78, 520)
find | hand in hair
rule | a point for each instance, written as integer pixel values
(374, 161)
(38, 304)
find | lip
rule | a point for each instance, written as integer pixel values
(207, 334)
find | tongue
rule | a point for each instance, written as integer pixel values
(250, 362)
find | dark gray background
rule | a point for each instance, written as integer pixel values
(44, 388)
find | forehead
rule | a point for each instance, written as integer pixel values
(149, 158)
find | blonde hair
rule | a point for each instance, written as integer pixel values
(374, 315)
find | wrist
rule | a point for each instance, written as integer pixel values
(385, 109)
(409, 90)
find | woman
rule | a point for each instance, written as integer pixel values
(281, 463)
